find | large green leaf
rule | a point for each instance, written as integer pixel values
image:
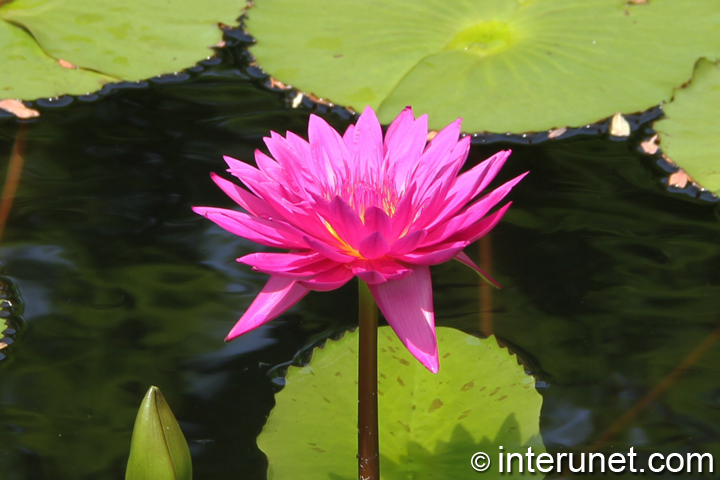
(430, 425)
(689, 132)
(502, 65)
(109, 41)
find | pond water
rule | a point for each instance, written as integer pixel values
(611, 282)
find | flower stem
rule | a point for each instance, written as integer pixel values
(368, 445)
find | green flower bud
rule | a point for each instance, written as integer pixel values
(158, 450)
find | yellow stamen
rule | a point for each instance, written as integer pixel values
(343, 244)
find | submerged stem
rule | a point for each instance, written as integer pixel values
(368, 445)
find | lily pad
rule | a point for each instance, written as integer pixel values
(690, 131)
(430, 425)
(502, 65)
(55, 47)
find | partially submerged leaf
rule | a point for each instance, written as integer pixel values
(690, 130)
(430, 425)
(158, 450)
(107, 40)
(502, 65)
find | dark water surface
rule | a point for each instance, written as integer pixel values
(610, 282)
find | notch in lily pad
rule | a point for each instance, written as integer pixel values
(158, 450)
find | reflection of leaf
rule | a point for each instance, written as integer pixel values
(430, 425)
(107, 40)
(690, 131)
(502, 65)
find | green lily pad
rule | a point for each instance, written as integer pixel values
(689, 132)
(502, 65)
(107, 40)
(430, 425)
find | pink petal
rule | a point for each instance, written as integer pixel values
(468, 185)
(367, 272)
(404, 143)
(346, 222)
(376, 220)
(472, 214)
(408, 308)
(349, 139)
(278, 295)
(437, 154)
(328, 251)
(403, 214)
(408, 243)
(330, 280)
(242, 197)
(465, 260)
(373, 246)
(264, 232)
(369, 151)
(288, 264)
(328, 151)
(473, 233)
(435, 254)
(379, 270)
(250, 176)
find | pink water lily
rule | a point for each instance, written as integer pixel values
(360, 205)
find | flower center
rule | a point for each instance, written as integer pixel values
(362, 195)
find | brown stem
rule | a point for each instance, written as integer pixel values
(13, 177)
(368, 444)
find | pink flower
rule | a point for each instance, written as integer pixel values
(358, 205)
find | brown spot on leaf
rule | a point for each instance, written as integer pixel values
(338, 374)
(382, 375)
(405, 426)
(326, 399)
(502, 398)
(319, 450)
(437, 403)
(464, 414)
(467, 386)
(339, 55)
(494, 391)
(446, 355)
(402, 384)
(401, 360)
